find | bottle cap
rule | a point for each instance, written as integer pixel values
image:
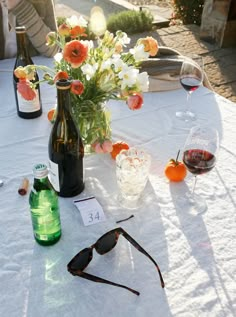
(63, 84)
(40, 171)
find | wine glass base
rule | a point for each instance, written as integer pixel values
(186, 116)
(192, 203)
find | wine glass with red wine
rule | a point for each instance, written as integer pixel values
(199, 156)
(191, 77)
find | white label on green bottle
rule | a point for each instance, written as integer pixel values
(54, 175)
(28, 105)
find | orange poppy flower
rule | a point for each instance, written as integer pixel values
(77, 87)
(60, 75)
(135, 101)
(77, 31)
(75, 53)
(25, 90)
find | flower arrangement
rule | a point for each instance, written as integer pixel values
(98, 72)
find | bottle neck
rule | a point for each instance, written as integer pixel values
(22, 50)
(40, 172)
(42, 183)
(41, 180)
(63, 101)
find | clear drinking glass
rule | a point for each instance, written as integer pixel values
(191, 77)
(199, 156)
(132, 169)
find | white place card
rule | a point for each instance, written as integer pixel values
(91, 211)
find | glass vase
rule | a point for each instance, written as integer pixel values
(93, 121)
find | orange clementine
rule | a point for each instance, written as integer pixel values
(117, 147)
(175, 170)
(50, 115)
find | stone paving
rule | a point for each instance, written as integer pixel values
(219, 63)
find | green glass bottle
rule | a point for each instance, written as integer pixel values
(65, 147)
(44, 208)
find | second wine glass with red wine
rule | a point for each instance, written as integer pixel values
(199, 156)
(191, 77)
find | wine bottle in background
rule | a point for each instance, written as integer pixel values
(44, 208)
(65, 147)
(27, 109)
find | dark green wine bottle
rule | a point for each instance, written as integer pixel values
(65, 147)
(27, 109)
(44, 208)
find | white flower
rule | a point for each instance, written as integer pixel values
(106, 64)
(58, 57)
(128, 77)
(89, 70)
(119, 64)
(142, 81)
(87, 43)
(74, 21)
(82, 22)
(124, 39)
(139, 53)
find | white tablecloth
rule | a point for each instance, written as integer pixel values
(196, 254)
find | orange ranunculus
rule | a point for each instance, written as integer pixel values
(27, 72)
(135, 101)
(20, 72)
(118, 48)
(75, 53)
(77, 31)
(64, 29)
(25, 90)
(150, 45)
(60, 75)
(77, 87)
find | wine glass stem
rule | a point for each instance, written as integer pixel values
(194, 184)
(188, 105)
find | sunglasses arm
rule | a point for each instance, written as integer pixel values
(101, 280)
(139, 248)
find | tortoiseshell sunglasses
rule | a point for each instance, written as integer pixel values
(103, 245)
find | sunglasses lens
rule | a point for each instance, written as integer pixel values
(81, 260)
(106, 243)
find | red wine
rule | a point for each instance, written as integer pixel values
(199, 161)
(190, 84)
